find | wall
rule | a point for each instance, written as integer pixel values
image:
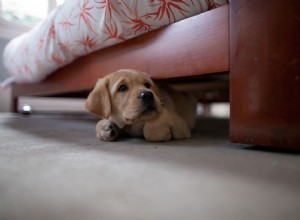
(3, 72)
(4, 94)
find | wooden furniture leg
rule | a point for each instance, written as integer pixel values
(265, 72)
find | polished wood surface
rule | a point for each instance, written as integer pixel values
(195, 46)
(265, 72)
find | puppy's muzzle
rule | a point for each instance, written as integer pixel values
(147, 99)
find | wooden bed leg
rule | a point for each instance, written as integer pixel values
(14, 100)
(265, 72)
(14, 105)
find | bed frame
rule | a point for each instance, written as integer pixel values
(260, 49)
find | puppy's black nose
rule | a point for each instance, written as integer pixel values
(147, 97)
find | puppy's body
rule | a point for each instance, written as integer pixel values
(129, 101)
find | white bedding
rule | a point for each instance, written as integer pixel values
(79, 27)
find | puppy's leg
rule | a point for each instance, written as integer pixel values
(155, 131)
(106, 130)
(166, 126)
(179, 127)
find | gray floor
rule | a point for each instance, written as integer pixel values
(52, 167)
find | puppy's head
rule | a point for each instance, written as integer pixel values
(125, 97)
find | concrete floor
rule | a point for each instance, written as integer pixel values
(53, 167)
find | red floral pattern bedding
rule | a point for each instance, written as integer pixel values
(79, 27)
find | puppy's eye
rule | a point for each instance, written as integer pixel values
(122, 88)
(147, 85)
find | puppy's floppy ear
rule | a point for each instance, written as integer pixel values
(98, 101)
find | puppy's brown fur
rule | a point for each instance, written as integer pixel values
(128, 100)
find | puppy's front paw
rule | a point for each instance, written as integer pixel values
(166, 126)
(162, 134)
(106, 130)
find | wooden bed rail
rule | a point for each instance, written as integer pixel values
(192, 47)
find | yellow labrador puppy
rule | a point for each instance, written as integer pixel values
(129, 101)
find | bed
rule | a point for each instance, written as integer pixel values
(230, 38)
